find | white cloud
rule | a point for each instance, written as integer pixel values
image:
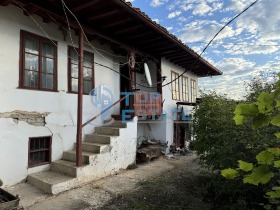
(156, 3)
(245, 48)
(156, 20)
(202, 9)
(174, 14)
(232, 65)
(169, 28)
(204, 30)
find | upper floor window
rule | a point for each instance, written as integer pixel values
(73, 72)
(38, 63)
(175, 86)
(185, 88)
(193, 90)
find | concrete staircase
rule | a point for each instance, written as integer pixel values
(97, 158)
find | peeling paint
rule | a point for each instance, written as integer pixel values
(32, 118)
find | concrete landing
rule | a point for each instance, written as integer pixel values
(51, 182)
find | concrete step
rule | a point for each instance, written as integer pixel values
(95, 147)
(108, 131)
(98, 138)
(71, 156)
(116, 124)
(65, 167)
(51, 182)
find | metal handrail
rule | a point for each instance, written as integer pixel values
(105, 110)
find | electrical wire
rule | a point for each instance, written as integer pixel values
(66, 53)
(64, 5)
(199, 56)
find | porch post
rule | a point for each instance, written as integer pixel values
(80, 101)
(133, 80)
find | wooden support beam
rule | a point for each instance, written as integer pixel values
(80, 101)
(30, 9)
(5, 2)
(160, 49)
(148, 41)
(140, 35)
(104, 14)
(128, 29)
(179, 55)
(116, 23)
(82, 5)
(182, 59)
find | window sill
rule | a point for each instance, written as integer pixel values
(85, 94)
(39, 164)
(42, 90)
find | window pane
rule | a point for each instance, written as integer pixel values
(87, 73)
(87, 86)
(47, 65)
(31, 79)
(74, 70)
(48, 50)
(47, 81)
(74, 83)
(74, 56)
(31, 45)
(87, 60)
(31, 62)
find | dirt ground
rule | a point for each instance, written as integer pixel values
(161, 184)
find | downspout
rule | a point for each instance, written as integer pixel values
(80, 101)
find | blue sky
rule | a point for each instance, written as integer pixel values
(247, 48)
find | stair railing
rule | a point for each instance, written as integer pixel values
(105, 110)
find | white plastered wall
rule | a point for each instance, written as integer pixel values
(61, 106)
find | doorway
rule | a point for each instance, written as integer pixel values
(179, 135)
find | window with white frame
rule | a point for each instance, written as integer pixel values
(185, 89)
(175, 86)
(193, 90)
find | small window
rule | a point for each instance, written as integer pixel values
(185, 88)
(193, 90)
(74, 71)
(38, 63)
(175, 86)
(39, 151)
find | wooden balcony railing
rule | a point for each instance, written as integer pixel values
(147, 104)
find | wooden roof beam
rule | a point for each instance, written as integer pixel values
(179, 55)
(159, 49)
(104, 14)
(5, 2)
(140, 35)
(150, 40)
(82, 5)
(128, 29)
(115, 23)
(186, 58)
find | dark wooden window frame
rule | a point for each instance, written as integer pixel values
(69, 70)
(178, 86)
(185, 89)
(193, 88)
(49, 150)
(23, 35)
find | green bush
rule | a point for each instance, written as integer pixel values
(220, 144)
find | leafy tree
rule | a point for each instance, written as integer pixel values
(265, 112)
(220, 144)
